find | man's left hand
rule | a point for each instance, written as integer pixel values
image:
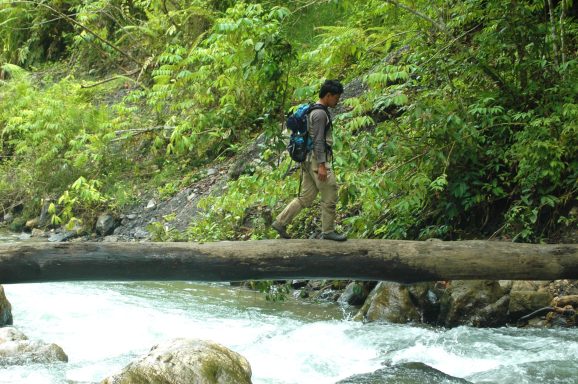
(322, 172)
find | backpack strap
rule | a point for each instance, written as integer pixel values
(315, 106)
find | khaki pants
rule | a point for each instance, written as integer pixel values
(310, 186)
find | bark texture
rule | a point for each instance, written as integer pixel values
(401, 261)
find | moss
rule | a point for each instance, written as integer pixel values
(211, 371)
(17, 225)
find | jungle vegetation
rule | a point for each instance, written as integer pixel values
(460, 118)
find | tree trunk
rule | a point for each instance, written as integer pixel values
(401, 261)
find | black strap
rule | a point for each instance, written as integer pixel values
(300, 180)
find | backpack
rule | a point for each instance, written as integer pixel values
(299, 142)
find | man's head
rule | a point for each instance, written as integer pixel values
(330, 93)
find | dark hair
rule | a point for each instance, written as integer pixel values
(330, 86)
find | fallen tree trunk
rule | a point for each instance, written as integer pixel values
(401, 261)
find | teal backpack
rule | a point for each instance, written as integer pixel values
(299, 142)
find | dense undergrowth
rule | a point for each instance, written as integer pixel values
(460, 118)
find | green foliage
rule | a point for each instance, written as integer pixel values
(56, 131)
(218, 88)
(45, 131)
(139, 29)
(473, 143)
(273, 291)
(32, 32)
(18, 224)
(439, 144)
(82, 200)
(243, 212)
(460, 117)
(162, 231)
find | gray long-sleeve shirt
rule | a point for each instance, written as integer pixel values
(318, 124)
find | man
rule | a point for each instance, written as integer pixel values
(317, 176)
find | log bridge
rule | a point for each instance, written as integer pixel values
(401, 261)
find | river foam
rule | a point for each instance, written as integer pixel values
(103, 326)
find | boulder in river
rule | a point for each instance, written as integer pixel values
(5, 309)
(186, 361)
(478, 302)
(404, 373)
(390, 302)
(356, 293)
(525, 302)
(16, 349)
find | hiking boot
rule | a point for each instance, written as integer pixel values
(280, 230)
(333, 236)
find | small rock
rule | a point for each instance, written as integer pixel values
(24, 236)
(354, 294)
(151, 204)
(506, 285)
(105, 224)
(110, 239)
(38, 233)
(8, 217)
(5, 309)
(62, 236)
(140, 233)
(432, 298)
(32, 223)
(191, 196)
(11, 334)
(211, 171)
(296, 284)
(16, 349)
(131, 216)
(327, 295)
(315, 284)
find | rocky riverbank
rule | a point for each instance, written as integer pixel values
(448, 304)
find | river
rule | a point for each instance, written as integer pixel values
(103, 326)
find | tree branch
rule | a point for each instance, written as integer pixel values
(439, 26)
(110, 79)
(139, 131)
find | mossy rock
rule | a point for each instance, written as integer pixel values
(469, 302)
(391, 302)
(5, 309)
(186, 361)
(17, 225)
(17, 349)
